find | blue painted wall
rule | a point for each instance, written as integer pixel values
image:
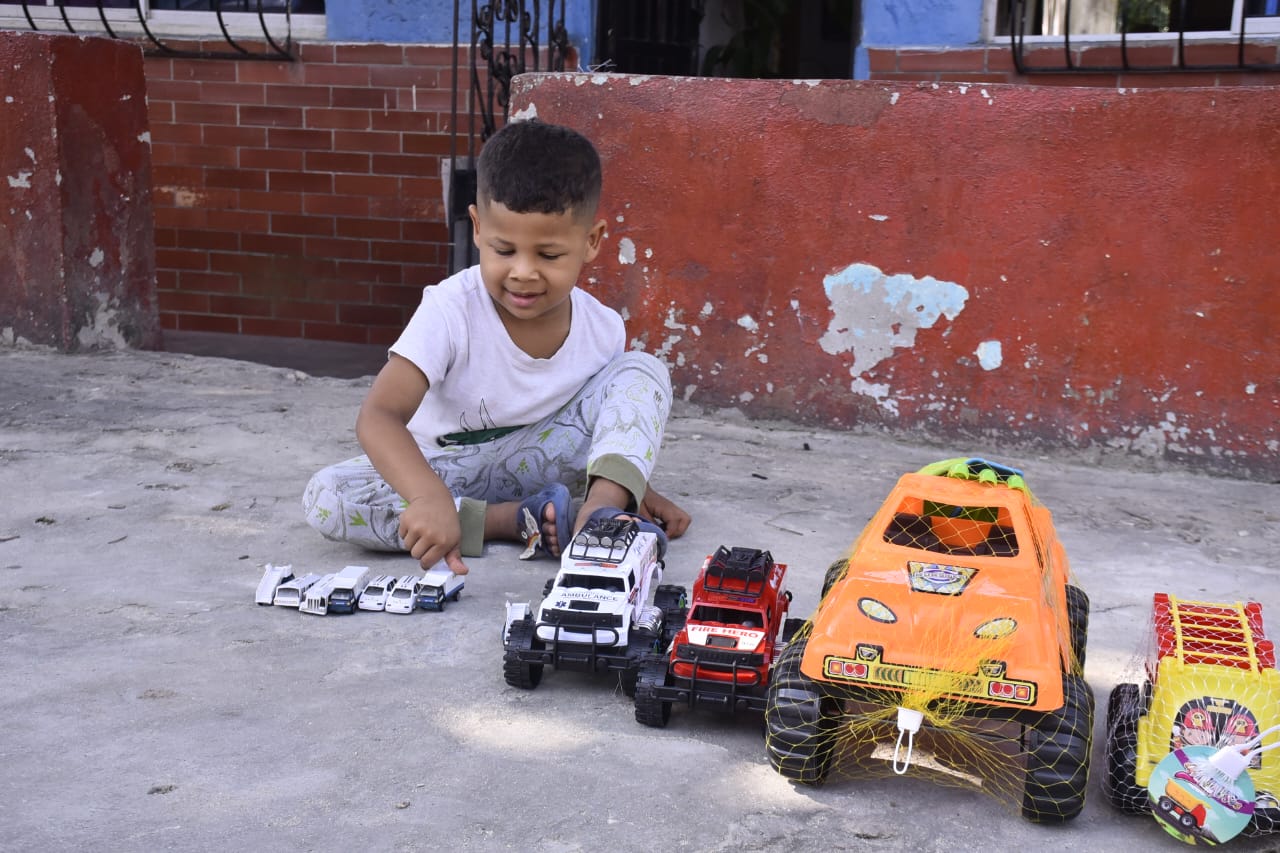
(916, 23)
(431, 21)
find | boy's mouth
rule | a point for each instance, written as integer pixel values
(523, 300)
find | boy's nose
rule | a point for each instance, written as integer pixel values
(522, 268)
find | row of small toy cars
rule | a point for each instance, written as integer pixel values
(358, 588)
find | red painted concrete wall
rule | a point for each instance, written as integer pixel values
(1004, 265)
(76, 227)
(301, 199)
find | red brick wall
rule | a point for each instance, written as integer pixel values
(303, 199)
(994, 64)
(300, 199)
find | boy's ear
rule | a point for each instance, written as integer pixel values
(475, 224)
(595, 239)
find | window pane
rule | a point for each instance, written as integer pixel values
(303, 6)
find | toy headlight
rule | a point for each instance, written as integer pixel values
(877, 611)
(995, 629)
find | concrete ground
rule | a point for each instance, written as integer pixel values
(150, 705)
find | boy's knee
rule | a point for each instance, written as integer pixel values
(643, 366)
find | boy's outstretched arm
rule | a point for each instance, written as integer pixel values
(429, 524)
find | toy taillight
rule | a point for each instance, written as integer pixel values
(1006, 690)
(846, 668)
(877, 611)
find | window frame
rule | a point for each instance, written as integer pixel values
(170, 23)
(1262, 27)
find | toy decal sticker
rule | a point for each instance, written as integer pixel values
(938, 578)
(1197, 804)
(996, 629)
(876, 610)
(1210, 721)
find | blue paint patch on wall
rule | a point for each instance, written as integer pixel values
(920, 23)
(431, 22)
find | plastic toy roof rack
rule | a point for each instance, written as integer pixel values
(605, 540)
(750, 567)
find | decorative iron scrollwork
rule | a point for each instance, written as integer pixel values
(276, 50)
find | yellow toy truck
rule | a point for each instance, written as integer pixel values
(1211, 681)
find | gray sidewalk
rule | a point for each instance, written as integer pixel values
(149, 704)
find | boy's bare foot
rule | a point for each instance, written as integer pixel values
(515, 521)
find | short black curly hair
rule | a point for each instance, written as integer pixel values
(536, 167)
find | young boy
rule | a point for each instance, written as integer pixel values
(510, 386)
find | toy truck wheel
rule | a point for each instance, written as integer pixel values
(800, 721)
(670, 597)
(672, 625)
(1078, 619)
(834, 572)
(1058, 757)
(650, 709)
(640, 645)
(790, 628)
(518, 673)
(1124, 707)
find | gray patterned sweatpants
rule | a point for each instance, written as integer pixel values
(612, 428)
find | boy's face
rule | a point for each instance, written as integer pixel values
(530, 261)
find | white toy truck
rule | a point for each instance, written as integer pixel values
(316, 599)
(604, 611)
(290, 593)
(272, 577)
(348, 586)
(437, 586)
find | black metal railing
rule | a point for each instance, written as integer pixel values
(505, 40)
(1180, 21)
(275, 49)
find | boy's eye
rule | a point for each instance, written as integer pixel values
(551, 257)
(506, 253)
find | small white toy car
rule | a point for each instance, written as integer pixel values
(375, 594)
(438, 585)
(272, 577)
(316, 599)
(289, 593)
(404, 598)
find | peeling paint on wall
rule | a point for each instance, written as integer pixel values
(990, 355)
(626, 251)
(873, 313)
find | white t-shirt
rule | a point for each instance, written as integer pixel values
(479, 378)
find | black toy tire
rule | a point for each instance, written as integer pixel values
(800, 721)
(650, 709)
(672, 625)
(1057, 750)
(1265, 822)
(1124, 707)
(1078, 620)
(517, 673)
(834, 572)
(640, 645)
(670, 597)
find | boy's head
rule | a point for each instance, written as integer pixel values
(534, 167)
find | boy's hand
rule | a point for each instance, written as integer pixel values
(431, 533)
(670, 517)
